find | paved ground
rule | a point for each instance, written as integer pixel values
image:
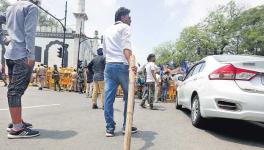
(67, 122)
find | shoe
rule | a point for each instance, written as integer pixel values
(26, 125)
(40, 88)
(151, 106)
(109, 134)
(24, 133)
(143, 105)
(95, 106)
(133, 130)
(103, 107)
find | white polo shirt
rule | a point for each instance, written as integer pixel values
(116, 39)
(149, 68)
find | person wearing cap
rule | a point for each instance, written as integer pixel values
(98, 66)
(73, 85)
(41, 72)
(56, 78)
(21, 24)
(117, 49)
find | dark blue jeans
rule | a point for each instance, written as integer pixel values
(19, 77)
(114, 75)
(164, 93)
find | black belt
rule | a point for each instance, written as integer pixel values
(116, 63)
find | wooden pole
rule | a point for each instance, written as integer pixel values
(130, 106)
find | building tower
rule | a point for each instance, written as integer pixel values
(81, 17)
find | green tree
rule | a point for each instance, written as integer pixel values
(216, 33)
(218, 25)
(250, 26)
(3, 5)
(44, 20)
(165, 52)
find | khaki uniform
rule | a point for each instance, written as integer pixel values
(98, 88)
(73, 86)
(41, 76)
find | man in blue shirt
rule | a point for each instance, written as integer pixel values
(21, 24)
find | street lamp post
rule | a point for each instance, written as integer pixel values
(85, 39)
(237, 41)
(79, 46)
(63, 26)
(64, 36)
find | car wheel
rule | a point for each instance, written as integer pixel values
(177, 106)
(197, 119)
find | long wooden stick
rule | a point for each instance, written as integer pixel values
(130, 106)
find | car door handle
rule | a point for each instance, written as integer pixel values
(194, 79)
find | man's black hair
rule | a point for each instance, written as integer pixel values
(150, 56)
(122, 11)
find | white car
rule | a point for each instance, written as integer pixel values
(224, 86)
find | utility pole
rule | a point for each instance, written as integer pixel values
(63, 26)
(79, 47)
(237, 47)
(64, 35)
(83, 38)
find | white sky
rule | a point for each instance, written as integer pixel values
(153, 21)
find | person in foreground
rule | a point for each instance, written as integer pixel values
(21, 23)
(117, 47)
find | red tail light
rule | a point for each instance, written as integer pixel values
(229, 72)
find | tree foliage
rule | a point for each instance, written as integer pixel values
(44, 19)
(229, 29)
(3, 5)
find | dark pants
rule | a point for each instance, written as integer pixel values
(19, 77)
(150, 94)
(80, 86)
(164, 93)
(57, 83)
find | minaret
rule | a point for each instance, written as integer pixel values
(81, 17)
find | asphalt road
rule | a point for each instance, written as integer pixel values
(67, 122)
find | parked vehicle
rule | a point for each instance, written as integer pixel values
(224, 86)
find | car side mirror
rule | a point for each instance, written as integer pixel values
(180, 78)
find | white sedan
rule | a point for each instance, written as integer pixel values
(224, 86)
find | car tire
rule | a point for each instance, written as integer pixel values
(177, 106)
(196, 117)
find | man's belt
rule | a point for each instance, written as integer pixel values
(117, 63)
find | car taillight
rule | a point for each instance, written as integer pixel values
(229, 72)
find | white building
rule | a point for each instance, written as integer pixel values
(49, 39)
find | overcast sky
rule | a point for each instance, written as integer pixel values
(153, 21)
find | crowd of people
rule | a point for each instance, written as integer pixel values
(102, 75)
(155, 83)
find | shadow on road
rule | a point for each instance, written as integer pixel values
(242, 132)
(56, 134)
(159, 108)
(147, 136)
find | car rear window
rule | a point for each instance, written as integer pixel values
(235, 58)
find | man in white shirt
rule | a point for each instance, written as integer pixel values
(150, 81)
(117, 48)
